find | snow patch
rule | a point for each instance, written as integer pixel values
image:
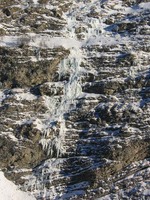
(9, 191)
(25, 96)
(2, 97)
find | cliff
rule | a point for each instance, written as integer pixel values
(75, 98)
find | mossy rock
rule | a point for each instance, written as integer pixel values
(15, 9)
(39, 27)
(5, 3)
(43, 1)
(2, 32)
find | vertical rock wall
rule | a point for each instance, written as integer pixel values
(74, 98)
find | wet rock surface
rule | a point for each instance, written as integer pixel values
(75, 98)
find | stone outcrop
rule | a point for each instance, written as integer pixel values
(74, 98)
(27, 67)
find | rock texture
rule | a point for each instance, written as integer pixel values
(75, 98)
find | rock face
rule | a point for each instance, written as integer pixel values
(75, 98)
(19, 69)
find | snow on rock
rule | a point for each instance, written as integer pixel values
(25, 96)
(2, 96)
(90, 123)
(39, 41)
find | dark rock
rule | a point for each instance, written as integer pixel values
(6, 11)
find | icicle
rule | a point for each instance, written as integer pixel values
(72, 89)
